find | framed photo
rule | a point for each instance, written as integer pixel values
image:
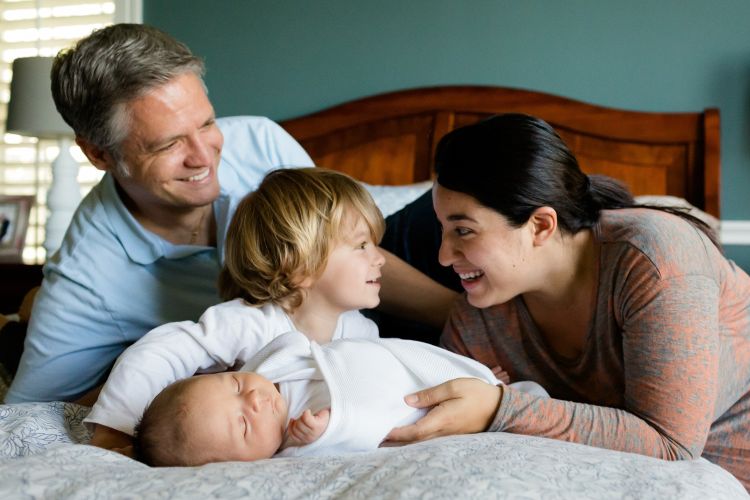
(14, 221)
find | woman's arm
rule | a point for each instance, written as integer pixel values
(670, 356)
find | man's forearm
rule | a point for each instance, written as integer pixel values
(410, 294)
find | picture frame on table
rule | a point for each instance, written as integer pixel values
(14, 222)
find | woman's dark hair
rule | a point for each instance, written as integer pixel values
(516, 163)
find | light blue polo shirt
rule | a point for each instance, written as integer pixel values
(112, 281)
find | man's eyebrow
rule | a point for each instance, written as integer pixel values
(154, 145)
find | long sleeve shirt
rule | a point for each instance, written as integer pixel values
(665, 369)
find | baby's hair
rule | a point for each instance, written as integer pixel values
(160, 437)
(283, 232)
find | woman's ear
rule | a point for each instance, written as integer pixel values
(98, 157)
(543, 222)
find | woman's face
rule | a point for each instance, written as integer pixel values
(489, 255)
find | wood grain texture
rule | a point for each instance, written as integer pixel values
(390, 138)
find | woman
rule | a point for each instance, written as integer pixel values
(631, 318)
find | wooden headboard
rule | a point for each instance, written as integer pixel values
(390, 138)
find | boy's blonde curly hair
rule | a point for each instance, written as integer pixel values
(283, 232)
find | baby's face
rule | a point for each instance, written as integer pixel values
(234, 416)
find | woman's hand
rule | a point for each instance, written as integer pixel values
(461, 406)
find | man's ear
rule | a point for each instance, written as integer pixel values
(98, 157)
(543, 223)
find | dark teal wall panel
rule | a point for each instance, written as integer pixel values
(289, 57)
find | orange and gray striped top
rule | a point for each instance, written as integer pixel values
(665, 370)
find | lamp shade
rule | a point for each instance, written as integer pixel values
(31, 110)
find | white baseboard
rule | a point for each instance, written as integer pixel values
(735, 232)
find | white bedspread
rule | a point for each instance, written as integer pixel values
(41, 456)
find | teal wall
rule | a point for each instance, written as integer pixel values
(283, 58)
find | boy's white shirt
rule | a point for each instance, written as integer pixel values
(363, 381)
(226, 335)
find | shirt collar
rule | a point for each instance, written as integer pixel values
(143, 246)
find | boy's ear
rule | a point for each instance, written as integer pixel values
(98, 157)
(543, 223)
(306, 282)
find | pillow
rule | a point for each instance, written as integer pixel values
(390, 199)
(674, 201)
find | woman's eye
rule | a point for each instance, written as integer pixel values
(238, 385)
(244, 421)
(462, 231)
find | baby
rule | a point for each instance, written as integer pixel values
(356, 387)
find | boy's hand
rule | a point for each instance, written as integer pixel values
(501, 374)
(307, 428)
(111, 439)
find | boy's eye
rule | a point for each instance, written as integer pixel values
(238, 384)
(244, 421)
(362, 245)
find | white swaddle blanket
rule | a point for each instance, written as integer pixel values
(363, 382)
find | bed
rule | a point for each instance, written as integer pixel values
(388, 141)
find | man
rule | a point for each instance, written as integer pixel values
(146, 244)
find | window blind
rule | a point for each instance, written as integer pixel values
(40, 28)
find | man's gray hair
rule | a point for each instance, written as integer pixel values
(93, 81)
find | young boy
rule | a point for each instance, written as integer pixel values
(301, 256)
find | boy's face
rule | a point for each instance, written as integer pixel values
(351, 278)
(234, 416)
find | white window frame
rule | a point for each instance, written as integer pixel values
(130, 11)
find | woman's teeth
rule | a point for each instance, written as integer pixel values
(470, 276)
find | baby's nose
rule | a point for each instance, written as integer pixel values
(257, 400)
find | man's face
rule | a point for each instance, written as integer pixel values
(172, 149)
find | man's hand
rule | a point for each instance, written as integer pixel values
(111, 439)
(461, 406)
(307, 428)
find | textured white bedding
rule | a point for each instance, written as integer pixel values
(42, 456)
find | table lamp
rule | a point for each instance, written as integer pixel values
(31, 112)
